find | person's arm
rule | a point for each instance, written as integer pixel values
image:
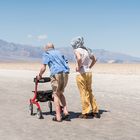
(94, 60)
(42, 70)
(79, 60)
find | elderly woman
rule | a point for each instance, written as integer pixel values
(85, 61)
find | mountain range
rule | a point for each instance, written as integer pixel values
(19, 52)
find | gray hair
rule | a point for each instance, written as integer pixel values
(77, 42)
(48, 46)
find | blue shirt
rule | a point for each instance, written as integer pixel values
(56, 62)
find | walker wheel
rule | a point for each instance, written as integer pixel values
(39, 114)
(50, 106)
(31, 108)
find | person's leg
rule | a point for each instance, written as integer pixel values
(93, 103)
(56, 95)
(81, 83)
(63, 82)
(63, 99)
(57, 107)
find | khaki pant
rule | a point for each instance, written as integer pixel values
(58, 83)
(84, 82)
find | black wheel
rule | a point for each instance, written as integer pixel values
(50, 106)
(39, 114)
(31, 108)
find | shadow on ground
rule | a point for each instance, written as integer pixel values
(73, 115)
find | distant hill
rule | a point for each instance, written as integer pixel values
(104, 56)
(12, 51)
(18, 52)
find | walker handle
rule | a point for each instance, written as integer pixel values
(42, 80)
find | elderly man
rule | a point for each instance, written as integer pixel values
(59, 76)
(85, 61)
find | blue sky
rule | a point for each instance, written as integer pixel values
(105, 24)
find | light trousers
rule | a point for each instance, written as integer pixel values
(84, 83)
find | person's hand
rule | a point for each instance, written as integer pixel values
(93, 63)
(77, 69)
(39, 77)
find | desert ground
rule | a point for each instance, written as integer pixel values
(115, 86)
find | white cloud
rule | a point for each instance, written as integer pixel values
(29, 36)
(42, 37)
